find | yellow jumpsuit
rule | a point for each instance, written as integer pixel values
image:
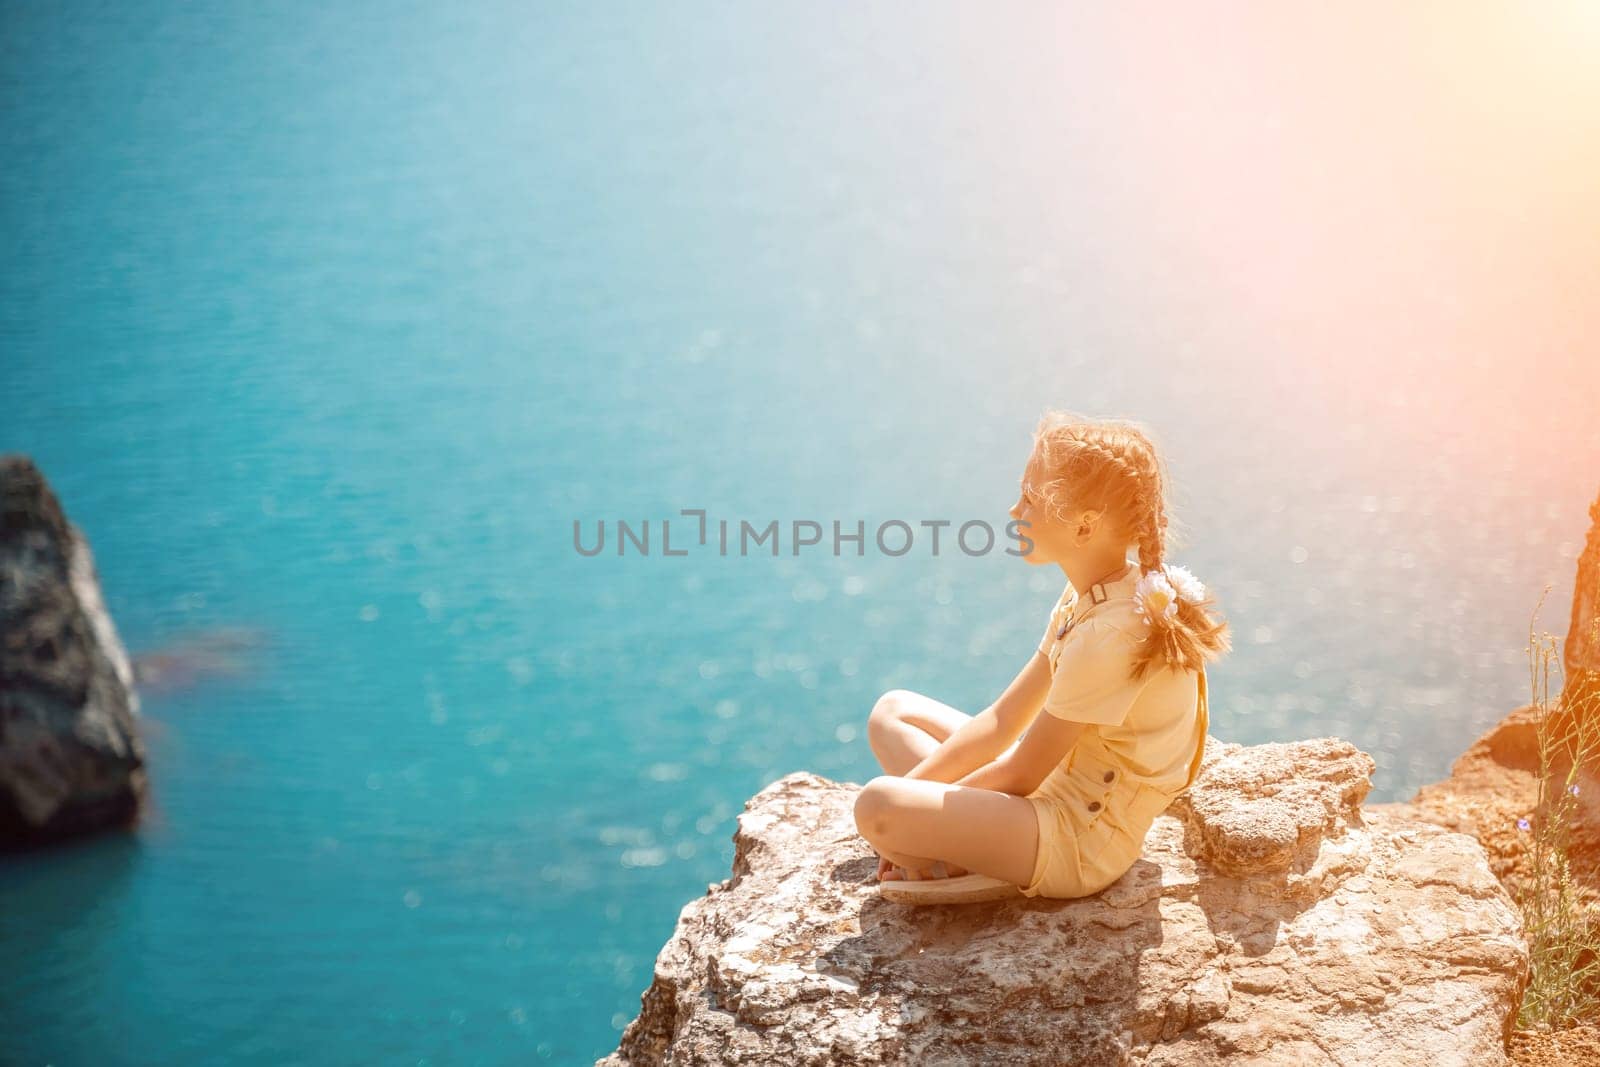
(1142, 748)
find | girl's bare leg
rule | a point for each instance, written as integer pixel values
(903, 729)
(982, 830)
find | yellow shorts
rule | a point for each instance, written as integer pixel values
(1092, 820)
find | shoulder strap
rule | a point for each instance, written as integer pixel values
(1097, 597)
(1205, 726)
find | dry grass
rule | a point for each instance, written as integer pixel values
(1561, 917)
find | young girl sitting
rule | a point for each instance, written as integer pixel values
(1119, 673)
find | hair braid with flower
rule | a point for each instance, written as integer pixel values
(1113, 465)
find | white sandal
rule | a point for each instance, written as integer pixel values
(962, 889)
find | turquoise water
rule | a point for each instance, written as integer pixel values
(327, 324)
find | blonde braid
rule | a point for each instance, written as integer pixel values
(1113, 465)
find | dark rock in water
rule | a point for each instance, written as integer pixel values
(71, 760)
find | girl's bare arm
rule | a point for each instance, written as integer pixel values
(986, 735)
(1020, 771)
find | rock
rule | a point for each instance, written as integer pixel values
(1494, 790)
(1495, 782)
(71, 759)
(1581, 652)
(1268, 921)
(1268, 808)
(1577, 1046)
(1492, 787)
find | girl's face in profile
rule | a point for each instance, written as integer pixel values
(1046, 533)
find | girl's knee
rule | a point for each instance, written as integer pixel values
(891, 705)
(873, 805)
(890, 709)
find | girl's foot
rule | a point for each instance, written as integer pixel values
(941, 869)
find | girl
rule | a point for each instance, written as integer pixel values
(1119, 673)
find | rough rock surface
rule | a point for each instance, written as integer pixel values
(70, 754)
(1492, 786)
(1580, 655)
(1268, 922)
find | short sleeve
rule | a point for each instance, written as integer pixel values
(1092, 681)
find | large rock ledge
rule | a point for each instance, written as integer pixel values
(1268, 922)
(71, 760)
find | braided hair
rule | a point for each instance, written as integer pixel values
(1113, 466)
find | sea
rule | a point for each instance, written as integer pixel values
(345, 331)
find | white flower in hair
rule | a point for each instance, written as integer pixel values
(1154, 597)
(1190, 588)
